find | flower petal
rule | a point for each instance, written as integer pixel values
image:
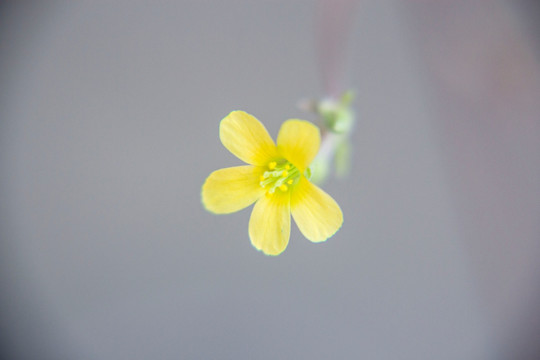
(317, 215)
(298, 141)
(270, 223)
(232, 189)
(247, 138)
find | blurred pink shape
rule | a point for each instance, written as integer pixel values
(334, 23)
(485, 79)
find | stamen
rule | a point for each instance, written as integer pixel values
(281, 175)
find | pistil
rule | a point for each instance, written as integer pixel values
(280, 176)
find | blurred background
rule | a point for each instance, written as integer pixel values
(109, 114)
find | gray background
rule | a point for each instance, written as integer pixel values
(109, 126)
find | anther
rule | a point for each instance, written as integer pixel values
(279, 176)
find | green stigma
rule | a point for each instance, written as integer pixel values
(280, 176)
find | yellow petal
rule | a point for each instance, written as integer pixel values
(247, 138)
(317, 215)
(298, 141)
(270, 223)
(232, 189)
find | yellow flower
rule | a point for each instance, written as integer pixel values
(275, 179)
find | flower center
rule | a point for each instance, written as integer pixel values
(281, 175)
